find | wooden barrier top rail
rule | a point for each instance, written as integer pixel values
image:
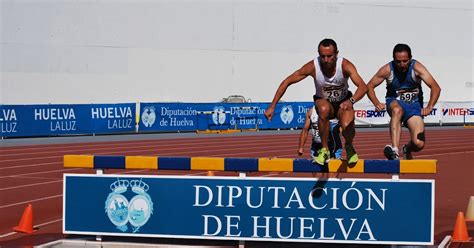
(427, 166)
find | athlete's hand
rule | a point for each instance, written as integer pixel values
(269, 113)
(300, 151)
(426, 111)
(379, 106)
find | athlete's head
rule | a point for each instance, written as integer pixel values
(402, 56)
(327, 50)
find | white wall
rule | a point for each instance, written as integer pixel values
(84, 51)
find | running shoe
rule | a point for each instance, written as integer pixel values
(352, 156)
(407, 153)
(323, 156)
(390, 153)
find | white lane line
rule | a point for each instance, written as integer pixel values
(115, 147)
(446, 153)
(36, 226)
(41, 172)
(30, 165)
(41, 178)
(120, 152)
(30, 185)
(30, 201)
(120, 147)
(7, 234)
(49, 222)
(446, 242)
(125, 144)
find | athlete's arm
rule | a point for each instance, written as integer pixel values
(304, 131)
(376, 80)
(300, 74)
(435, 91)
(350, 71)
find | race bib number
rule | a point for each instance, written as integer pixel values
(335, 95)
(408, 95)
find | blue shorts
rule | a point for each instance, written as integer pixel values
(409, 109)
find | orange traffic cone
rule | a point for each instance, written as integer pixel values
(26, 221)
(460, 229)
(210, 173)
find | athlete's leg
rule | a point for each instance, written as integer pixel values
(325, 113)
(315, 147)
(396, 113)
(331, 139)
(416, 126)
(337, 136)
(336, 139)
(346, 120)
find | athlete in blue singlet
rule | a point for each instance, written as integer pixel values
(404, 99)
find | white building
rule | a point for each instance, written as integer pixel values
(109, 51)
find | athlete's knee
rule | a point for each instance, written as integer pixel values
(396, 112)
(347, 108)
(324, 111)
(417, 145)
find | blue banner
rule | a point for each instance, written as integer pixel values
(202, 116)
(70, 119)
(113, 118)
(366, 211)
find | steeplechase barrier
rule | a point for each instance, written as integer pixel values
(321, 210)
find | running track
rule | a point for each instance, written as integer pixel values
(33, 173)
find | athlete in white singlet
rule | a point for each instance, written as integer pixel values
(332, 98)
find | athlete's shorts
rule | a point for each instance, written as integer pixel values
(409, 109)
(335, 105)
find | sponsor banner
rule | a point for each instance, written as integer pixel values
(435, 115)
(62, 119)
(366, 114)
(202, 116)
(112, 118)
(458, 112)
(370, 211)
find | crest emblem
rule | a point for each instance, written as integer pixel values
(141, 206)
(286, 114)
(136, 211)
(148, 116)
(218, 115)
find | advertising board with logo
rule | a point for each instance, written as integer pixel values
(73, 119)
(66, 119)
(367, 211)
(202, 116)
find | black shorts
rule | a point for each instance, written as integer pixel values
(335, 105)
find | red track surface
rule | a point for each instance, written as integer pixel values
(33, 174)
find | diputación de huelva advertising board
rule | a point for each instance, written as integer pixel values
(370, 211)
(199, 116)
